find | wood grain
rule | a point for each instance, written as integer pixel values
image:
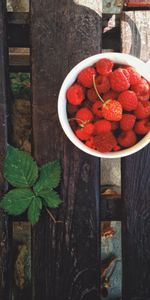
(65, 257)
(4, 225)
(136, 181)
(18, 29)
(135, 27)
(111, 208)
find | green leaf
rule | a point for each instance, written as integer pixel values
(49, 177)
(34, 210)
(20, 170)
(51, 198)
(17, 201)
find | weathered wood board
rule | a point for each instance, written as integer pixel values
(135, 28)
(5, 282)
(135, 32)
(65, 257)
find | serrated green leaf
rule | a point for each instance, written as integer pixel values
(34, 210)
(39, 202)
(20, 170)
(17, 201)
(49, 177)
(51, 198)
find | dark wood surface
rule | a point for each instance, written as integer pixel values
(66, 257)
(18, 29)
(111, 209)
(18, 18)
(136, 181)
(19, 62)
(5, 281)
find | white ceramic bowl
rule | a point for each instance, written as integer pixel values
(120, 58)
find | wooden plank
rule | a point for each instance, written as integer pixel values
(111, 209)
(19, 60)
(135, 25)
(66, 257)
(18, 30)
(5, 282)
(136, 180)
(20, 18)
(18, 36)
(20, 68)
(21, 249)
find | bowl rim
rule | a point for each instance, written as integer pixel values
(121, 58)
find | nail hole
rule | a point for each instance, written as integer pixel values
(108, 4)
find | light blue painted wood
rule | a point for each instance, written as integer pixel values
(111, 247)
(112, 6)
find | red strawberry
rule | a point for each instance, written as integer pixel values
(97, 109)
(134, 76)
(88, 128)
(126, 73)
(109, 109)
(89, 142)
(112, 110)
(143, 110)
(119, 80)
(127, 138)
(142, 126)
(102, 126)
(85, 77)
(143, 97)
(141, 88)
(128, 100)
(81, 134)
(83, 116)
(104, 66)
(104, 142)
(127, 122)
(116, 148)
(92, 96)
(75, 94)
(102, 84)
(110, 95)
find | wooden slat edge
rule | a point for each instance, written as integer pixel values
(5, 273)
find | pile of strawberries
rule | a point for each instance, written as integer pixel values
(109, 106)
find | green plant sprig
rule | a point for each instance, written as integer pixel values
(33, 187)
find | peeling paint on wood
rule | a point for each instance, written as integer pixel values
(112, 6)
(112, 258)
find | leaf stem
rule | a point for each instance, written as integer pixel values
(79, 120)
(52, 217)
(94, 83)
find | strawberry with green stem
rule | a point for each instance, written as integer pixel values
(111, 109)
